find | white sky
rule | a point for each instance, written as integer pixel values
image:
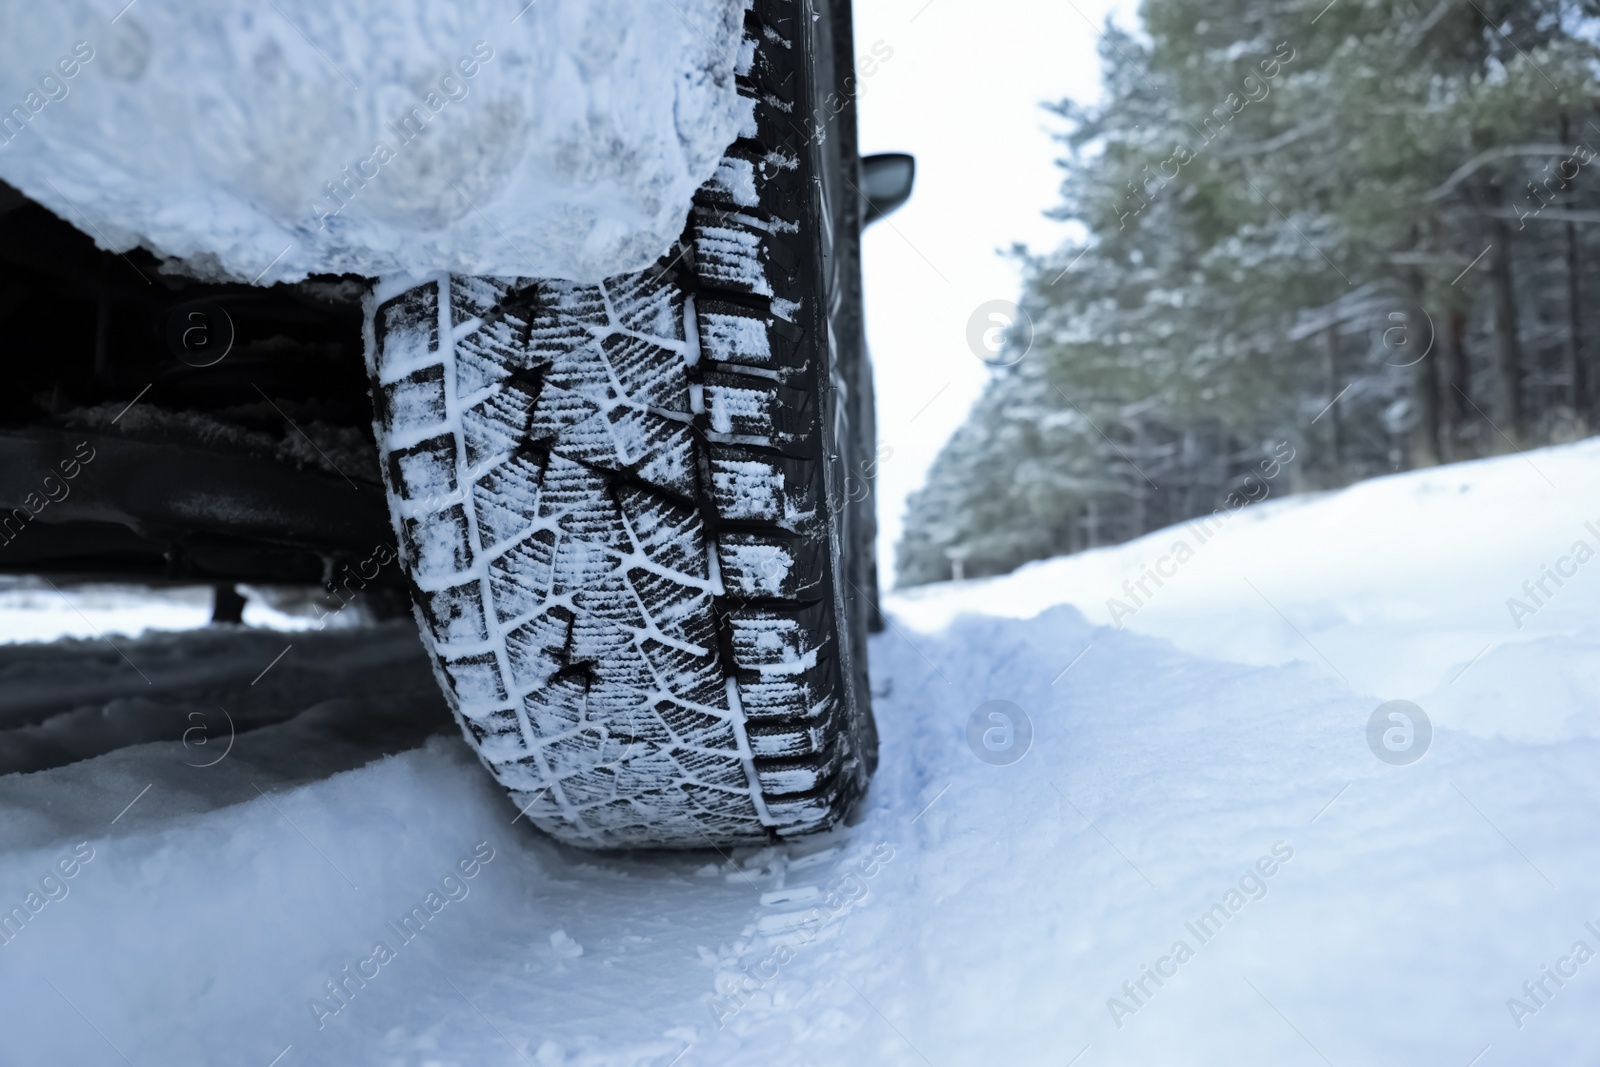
(961, 92)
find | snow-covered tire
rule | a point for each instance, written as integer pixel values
(620, 509)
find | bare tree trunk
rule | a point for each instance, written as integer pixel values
(1330, 370)
(1577, 358)
(1425, 450)
(1455, 384)
(1507, 348)
(1139, 485)
(227, 605)
(1424, 382)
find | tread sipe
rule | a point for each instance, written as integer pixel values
(618, 508)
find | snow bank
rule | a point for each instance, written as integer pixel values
(1392, 586)
(1220, 826)
(32, 611)
(561, 138)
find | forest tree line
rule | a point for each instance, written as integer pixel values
(1370, 233)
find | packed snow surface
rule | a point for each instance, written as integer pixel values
(266, 141)
(1198, 860)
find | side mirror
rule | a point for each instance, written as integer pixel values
(886, 183)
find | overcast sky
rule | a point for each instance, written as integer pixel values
(961, 91)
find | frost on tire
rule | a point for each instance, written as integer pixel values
(611, 503)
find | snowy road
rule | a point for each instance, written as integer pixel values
(1199, 859)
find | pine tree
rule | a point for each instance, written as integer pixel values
(1365, 234)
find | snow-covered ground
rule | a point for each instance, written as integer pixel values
(263, 142)
(1393, 587)
(1198, 860)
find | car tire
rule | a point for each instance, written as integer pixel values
(623, 508)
